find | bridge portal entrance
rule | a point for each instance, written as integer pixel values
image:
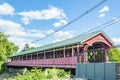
(97, 52)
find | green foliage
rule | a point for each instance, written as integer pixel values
(6, 47)
(33, 75)
(61, 73)
(1, 66)
(38, 74)
(56, 74)
(27, 47)
(114, 55)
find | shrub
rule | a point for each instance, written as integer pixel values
(38, 74)
(114, 55)
(1, 66)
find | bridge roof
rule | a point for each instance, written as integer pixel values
(77, 39)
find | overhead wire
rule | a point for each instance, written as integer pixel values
(72, 21)
(109, 24)
(104, 25)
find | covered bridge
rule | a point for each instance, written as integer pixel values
(90, 48)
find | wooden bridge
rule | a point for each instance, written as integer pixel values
(87, 48)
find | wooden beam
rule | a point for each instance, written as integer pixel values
(78, 53)
(106, 55)
(31, 56)
(72, 51)
(54, 53)
(22, 57)
(26, 56)
(64, 51)
(44, 55)
(37, 55)
(85, 56)
(77, 47)
(67, 47)
(94, 55)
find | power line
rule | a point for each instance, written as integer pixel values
(109, 24)
(72, 21)
(104, 25)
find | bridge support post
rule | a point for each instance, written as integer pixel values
(22, 57)
(26, 57)
(85, 56)
(78, 54)
(64, 51)
(54, 58)
(72, 51)
(54, 53)
(85, 49)
(106, 55)
(37, 55)
(31, 56)
(44, 55)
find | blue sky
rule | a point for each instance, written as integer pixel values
(27, 20)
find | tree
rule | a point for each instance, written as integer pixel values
(7, 48)
(114, 55)
(27, 47)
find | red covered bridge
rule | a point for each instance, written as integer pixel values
(92, 47)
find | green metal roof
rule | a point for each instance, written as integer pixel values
(80, 39)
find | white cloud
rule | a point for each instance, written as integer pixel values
(25, 20)
(15, 29)
(101, 15)
(116, 40)
(98, 24)
(51, 13)
(6, 9)
(11, 28)
(104, 9)
(60, 23)
(62, 35)
(22, 41)
(49, 31)
(19, 35)
(63, 21)
(34, 33)
(19, 41)
(57, 24)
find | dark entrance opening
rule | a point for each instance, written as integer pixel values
(96, 52)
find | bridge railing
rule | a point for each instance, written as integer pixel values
(55, 62)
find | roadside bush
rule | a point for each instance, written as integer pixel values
(114, 55)
(56, 74)
(38, 74)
